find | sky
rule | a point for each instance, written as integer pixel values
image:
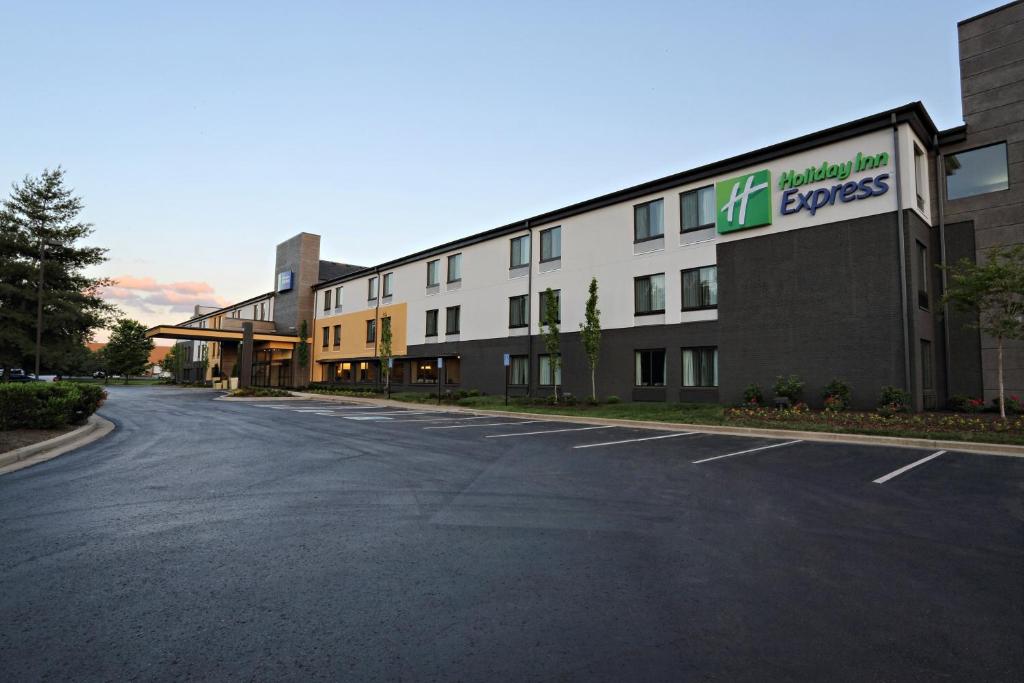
(200, 135)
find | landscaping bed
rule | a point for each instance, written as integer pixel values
(259, 392)
(13, 439)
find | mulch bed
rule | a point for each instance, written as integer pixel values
(16, 438)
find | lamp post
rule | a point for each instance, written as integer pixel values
(39, 299)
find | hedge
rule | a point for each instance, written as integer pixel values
(49, 405)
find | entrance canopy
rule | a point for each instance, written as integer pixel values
(205, 334)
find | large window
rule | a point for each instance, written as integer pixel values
(426, 372)
(371, 331)
(518, 313)
(337, 336)
(923, 271)
(700, 366)
(326, 337)
(650, 368)
(431, 325)
(371, 289)
(550, 244)
(976, 171)
(452, 371)
(518, 370)
(389, 279)
(454, 267)
(451, 323)
(433, 273)
(397, 372)
(519, 251)
(649, 294)
(697, 209)
(327, 300)
(548, 379)
(700, 288)
(648, 220)
(543, 302)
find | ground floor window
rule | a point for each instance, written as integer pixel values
(366, 371)
(650, 368)
(700, 366)
(426, 372)
(398, 372)
(518, 370)
(452, 371)
(548, 379)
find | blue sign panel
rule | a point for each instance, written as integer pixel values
(285, 281)
(507, 360)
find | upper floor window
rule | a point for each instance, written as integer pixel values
(977, 171)
(452, 320)
(649, 294)
(327, 300)
(337, 296)
(648, 220)
(433, 272)
(371, 331)
(389, 279)
(454, 267)
(556, 295)
(550, 244)
(430, 328)
(371, 288)
(326, 336)
(337, 336)
(700, 288)
(920, 176)
(923, 271)
(520, 251)
(518, 315)
(697, 209)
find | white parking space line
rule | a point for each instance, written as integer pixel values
(646, 438)
(547, 431)
(488, 424)
(896, 473)
(749, 450)
(448, 419)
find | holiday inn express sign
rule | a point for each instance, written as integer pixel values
(745, 201)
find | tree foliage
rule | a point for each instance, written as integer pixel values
(552, 335)
(43, 213)
(128, 350)
(384, 350)
(302, 349)
(590, 335)
(994, 290)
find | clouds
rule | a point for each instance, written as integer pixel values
(146, 298)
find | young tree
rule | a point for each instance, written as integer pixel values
(173, 361)
(552, 336)
(302, 349)
(128, 350)
(40, 251)
(384, 351)
(995, 291)
(204, 361)
(590, 335)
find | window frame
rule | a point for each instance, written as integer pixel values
(682, 289)
(525, 300)
(548, 231)
(946, 175)
(387, 284)
(371, 331)
(525, 373)
(637, 278)
(557, 379)
(714, 372)
(512, 252)
(920, 174)
(338, 297)
(542, 307)
(437, 273)
(325, 336)
(336, 336)
(664, 369)
(372, 288)
(327, 300)
(426, 323)
(450, 279)
(695, 191)
(660, 235)
(447, 320)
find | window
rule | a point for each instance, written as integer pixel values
(927, 365)
(263, 311)
(920, 176)
(451, 325)
(371, 289)
(426, 372)
(647, 220)
(337, 297)
(650, 368)
(649, 294)
(700, 367)
(433, 273)
(345, 372)
(976, 171)
(398, 372)
(700, 288)
(327, 300)
(518, 370)
(455, 268)
(431, 324)
(389, 279)
(923, 271)
(365, 371)
(697, 209)
(518, 315)
(452, 371)
(371, 331)
(550, 244)
(326, 336)
(520, 251)
(546, 378)
(337, 336)
(543, 301)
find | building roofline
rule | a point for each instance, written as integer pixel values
(991, 11)
(913, 113)
(224, 308)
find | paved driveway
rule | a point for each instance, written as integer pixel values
(305, 540)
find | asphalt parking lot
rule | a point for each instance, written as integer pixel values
(325, 540)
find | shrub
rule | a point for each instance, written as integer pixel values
(753, 395)
(1013, 404)
(259, 392)
(613, 400)
(789, 387)
(893, 400)
(40, 405)
(836, 395)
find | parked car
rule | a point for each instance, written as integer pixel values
(99, 374)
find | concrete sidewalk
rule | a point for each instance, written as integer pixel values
(833, 437)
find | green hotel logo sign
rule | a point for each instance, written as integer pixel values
(744, 202)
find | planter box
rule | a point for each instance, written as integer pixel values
(233, 383)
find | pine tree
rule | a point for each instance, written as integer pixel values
(590, 335)
(40, 239)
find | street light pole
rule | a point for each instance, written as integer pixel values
(39, 304)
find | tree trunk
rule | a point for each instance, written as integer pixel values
(593, 385)
(999, 365)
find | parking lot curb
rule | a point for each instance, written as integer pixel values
(834, 437)
(95, 428)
